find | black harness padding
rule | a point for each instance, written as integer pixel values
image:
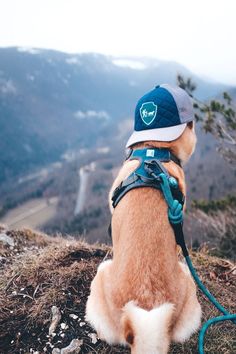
(142, 178)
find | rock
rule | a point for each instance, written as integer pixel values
(56, 317)
(73, 348)
(2, 259)
(3, 228)
(7, 240)
(64, 326)
(72, 315)
(56, 351)
(93, 337)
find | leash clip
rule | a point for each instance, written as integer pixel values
(154, 168)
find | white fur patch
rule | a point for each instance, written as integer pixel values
(100, 323)
(190, 324)
(96, 313)
(104, 264)
(150, 328)
(185, 268)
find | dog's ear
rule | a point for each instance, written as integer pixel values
(190, 125)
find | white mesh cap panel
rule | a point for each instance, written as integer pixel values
(183, 102)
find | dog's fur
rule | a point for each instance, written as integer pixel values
(145, 297)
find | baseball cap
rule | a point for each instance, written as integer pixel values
(161, 114)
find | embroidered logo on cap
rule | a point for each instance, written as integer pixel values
(148, 112)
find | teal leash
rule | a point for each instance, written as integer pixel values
(175, 214)
(226, 315)
(207, 324)
(204, 289)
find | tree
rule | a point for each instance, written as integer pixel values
(217, 117)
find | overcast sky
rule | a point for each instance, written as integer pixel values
(199, 34)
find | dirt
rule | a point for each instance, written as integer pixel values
(40, 272)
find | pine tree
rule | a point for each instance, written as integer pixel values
(217, 117)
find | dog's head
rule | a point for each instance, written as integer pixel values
(183, 147)
(164, 118)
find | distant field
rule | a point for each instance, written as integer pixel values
(34, 213)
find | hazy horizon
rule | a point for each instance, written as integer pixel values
(130, 61)
(196, 35)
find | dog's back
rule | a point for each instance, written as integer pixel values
(145, 252)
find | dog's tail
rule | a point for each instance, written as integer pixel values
(147, 331)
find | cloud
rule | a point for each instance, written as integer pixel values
(91, 115)
(7, 87)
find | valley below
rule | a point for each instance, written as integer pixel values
(64, 123)
(33, 214)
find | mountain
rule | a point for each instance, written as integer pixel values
(52, 101)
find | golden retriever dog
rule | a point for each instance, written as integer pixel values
(145, 297)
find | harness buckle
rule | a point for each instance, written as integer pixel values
(155, 168)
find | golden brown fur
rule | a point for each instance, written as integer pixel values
(145, 267)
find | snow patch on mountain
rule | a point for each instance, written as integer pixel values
(28, 50)
(129, 63)
(73, 60)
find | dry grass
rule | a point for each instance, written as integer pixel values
(46, 272)
(24, 239)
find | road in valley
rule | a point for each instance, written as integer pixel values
(84, 173)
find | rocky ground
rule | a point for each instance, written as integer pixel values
(44, 284)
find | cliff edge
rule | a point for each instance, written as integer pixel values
(44, 284)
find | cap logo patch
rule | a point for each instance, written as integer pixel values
(148, 112)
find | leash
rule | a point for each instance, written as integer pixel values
(175, 215)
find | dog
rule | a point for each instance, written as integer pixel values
(145, 297)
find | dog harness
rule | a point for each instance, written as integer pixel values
(150, 160)
(151, 173)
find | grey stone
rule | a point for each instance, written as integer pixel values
(7, 240)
